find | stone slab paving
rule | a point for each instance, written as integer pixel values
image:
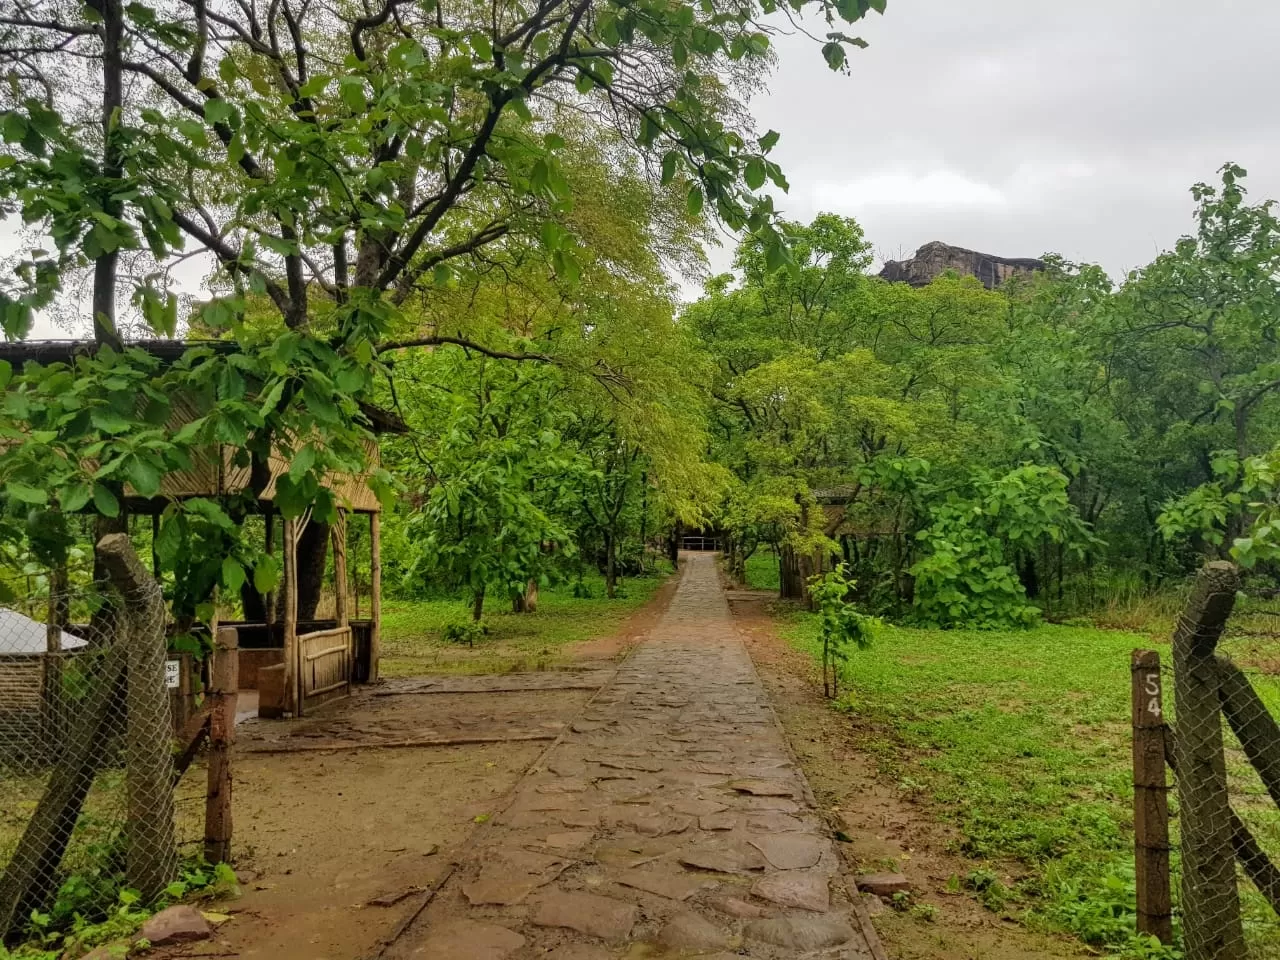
(669, 821)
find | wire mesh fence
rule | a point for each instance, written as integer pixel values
(1209, 869)
(86, 745)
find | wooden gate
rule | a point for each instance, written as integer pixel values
(324, 666)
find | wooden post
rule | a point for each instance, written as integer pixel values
(1150, 799)
(152, 859)
(224, 685)
(375, 594)
(1252, 724)
(51, 700)
(1210, 901)
(269, 523)
(290, 612)
(339, 533)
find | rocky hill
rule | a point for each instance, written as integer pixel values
(936, 258)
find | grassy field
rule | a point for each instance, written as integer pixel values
(1022, 740)
(412, 630)
(762, 570)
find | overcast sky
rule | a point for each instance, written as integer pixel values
(1017, 127)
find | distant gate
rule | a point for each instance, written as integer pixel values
(324, 670)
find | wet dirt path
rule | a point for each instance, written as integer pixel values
(669, 821)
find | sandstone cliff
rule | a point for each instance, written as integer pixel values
(934, 259)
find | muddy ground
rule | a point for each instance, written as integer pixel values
(886, 830)
(345, 818)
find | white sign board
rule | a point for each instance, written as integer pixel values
(172, 673)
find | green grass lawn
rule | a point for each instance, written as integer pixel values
(1022, 740)
(412, 641)
(762, 570)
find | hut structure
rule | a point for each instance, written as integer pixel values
(294, 658)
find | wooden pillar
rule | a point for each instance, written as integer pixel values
(375, 594)
(1150, 799)
(224, 685)
(290, 615)
(269, 522)
(51, 701)
(1210, 901)
(339, 534)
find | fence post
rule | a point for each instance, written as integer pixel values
(224, 685)
(1210, 902)
(1150, 799)
(153, 856)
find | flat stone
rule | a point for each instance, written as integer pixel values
(580, 951)
(180, 924)
(564, 785)
(883, 884)
(643, 764)
(666, 880)
(795, 888)
(567, 767)
(108, 951)
(779, 804)
(737, 907)
(596, 916)
(655, 825)
(466, 938)
(718, 821)
(790, 851)
(698, 808)
(690, 931)
(631, 854)
(764, 788)
(771, 821)
(726, 859)
(511, 876)
(579, 818)
(801, 933)
(569, 839)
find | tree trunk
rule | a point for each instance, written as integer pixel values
(313, 550)
(790, 581)
(477, 605)
(610, 566)
(673, 546)
(104, 268)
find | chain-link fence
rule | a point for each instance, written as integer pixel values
(1207, 855)
(86, 744)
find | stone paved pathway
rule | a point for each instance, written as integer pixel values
(670, 821)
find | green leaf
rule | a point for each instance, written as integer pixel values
(834, 54)
(694, 201)
(169, 542)
(20, 491)
(755, 173)
(351, 89)
(232, 575)
(669, 161)
(74, 496)
(105, 501)
(266, 575)
(768, 141)
(303, 460)
(144, 476)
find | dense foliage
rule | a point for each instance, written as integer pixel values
(977, 456)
